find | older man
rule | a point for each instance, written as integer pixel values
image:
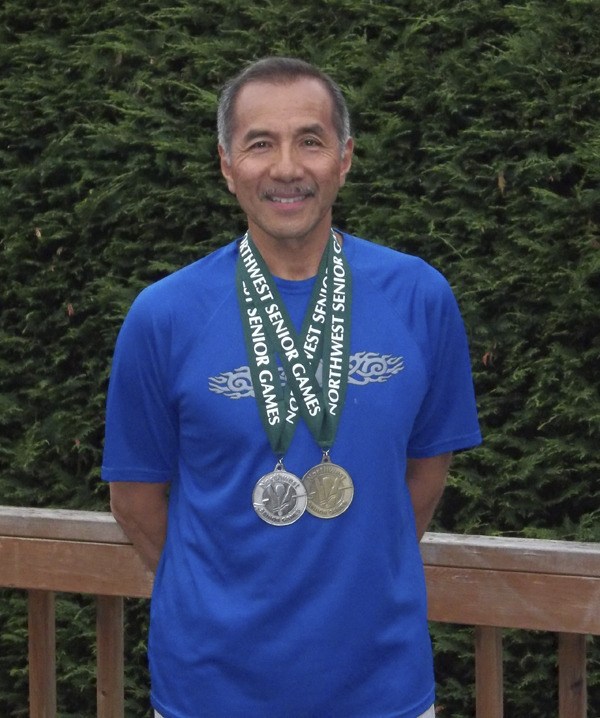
(281, 417)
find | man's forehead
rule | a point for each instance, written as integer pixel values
(304, 98)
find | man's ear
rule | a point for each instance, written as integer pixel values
(226, 169)
(346, 160)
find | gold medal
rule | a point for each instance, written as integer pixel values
(329, 488)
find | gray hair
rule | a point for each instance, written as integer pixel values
(279, 70)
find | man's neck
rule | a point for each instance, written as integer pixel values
(294, 259)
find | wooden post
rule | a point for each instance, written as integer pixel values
(110, 669)
(572, 684)
(42, 655)
(489, 672)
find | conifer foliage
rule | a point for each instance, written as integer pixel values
(478, 148)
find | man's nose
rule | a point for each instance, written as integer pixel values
(286, 165)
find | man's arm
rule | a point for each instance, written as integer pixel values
(426, 479)
(141, 511)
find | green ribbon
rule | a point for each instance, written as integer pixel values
(324, 337)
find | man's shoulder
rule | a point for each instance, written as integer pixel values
(200, 279)
(386, 265)
(195, 287)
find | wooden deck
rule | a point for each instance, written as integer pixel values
(487, 582)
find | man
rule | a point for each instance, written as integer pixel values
(298, 394)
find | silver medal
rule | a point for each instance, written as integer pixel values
(279, 497)
(330, 489)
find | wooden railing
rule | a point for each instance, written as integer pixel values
(489, 583)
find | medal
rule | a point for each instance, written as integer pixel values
(279, 497)
(329, 489)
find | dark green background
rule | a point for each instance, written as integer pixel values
(478, 148)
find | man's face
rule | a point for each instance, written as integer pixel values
(285, 165)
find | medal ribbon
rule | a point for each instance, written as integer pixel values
(325, 335)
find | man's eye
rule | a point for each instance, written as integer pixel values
(259, 145)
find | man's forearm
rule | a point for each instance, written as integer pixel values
(426, 479)
(147, 540)
(141, 511)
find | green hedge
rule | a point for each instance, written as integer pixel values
(478, 148)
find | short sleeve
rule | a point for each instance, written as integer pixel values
(447, 420)
(141, 424)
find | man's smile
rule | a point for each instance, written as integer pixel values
(288, 197)
(287, 200)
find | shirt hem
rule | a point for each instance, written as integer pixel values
(146, 476)
(456, 444)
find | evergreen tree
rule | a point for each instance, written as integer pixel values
(478, 148)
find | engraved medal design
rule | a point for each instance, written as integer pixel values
(279, 497)
(329, 488)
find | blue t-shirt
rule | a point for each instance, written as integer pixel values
(324, 617)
